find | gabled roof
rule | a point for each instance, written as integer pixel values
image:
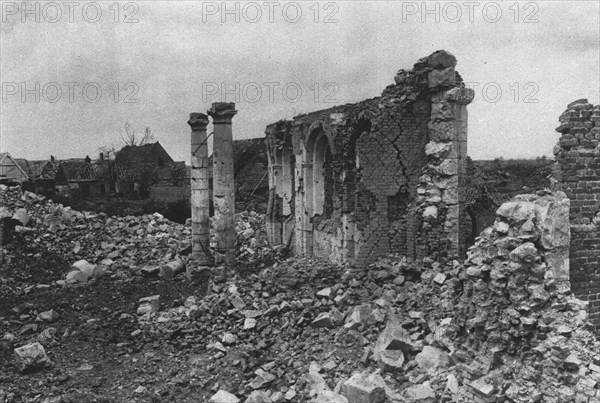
(143, 154)
(38, 169)
(9, 168)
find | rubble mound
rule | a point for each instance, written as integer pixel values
(502, 326)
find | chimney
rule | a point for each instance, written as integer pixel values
(52, 158)
(101, 156)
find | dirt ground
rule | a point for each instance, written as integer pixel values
(95, 357)
(101, 353)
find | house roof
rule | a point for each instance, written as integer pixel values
(9, 168)
(38, 169)
(80, 171)
(146, 153)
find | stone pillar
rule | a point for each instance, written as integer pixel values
(440, 189)
(223, 182)
(201, 256)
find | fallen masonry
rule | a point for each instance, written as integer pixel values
(501, 327)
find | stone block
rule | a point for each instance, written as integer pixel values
(364, 388)
(224, 397)
(31, 357)
(432, 358)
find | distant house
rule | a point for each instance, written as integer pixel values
(171, 182)
(42, 174)
(138, 168)
(10, 171)
(85, 177)
(152, 153)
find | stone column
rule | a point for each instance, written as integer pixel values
(223, 182)
(200, 198)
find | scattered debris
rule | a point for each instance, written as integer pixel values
(31, 357)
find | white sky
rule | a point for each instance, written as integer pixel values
(178, 53)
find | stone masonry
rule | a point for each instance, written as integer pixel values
(359, 181)
(578, 157)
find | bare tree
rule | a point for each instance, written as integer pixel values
(148, 137)
(130, 139)
(109, 151)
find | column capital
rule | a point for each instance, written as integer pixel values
(222, 112)
(198, 121)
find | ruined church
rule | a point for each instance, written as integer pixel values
(359, 181)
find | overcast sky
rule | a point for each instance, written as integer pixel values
(155, 62)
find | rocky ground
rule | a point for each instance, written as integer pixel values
(495, 328)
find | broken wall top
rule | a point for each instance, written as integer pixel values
(430, 75)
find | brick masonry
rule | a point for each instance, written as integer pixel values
(359, 181)
(578, 157)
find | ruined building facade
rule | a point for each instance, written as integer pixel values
(578, 158)
(384, 175)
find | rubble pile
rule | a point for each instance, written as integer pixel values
(253, 249)
(117, 243)
(501, 327)
(93, 243)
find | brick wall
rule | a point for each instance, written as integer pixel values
(393, 159)
(578, 156)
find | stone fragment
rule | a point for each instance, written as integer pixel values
(224, 397)
(228, 339)
(149, 305)
(452, 384)
(262, 379)
(432, 358)
(430, 213)
(439, 279)
(483, 387)
(22, 216)
(501, 227)
(315, 381)
(258, 396)
(364, 388)
(572, 362)
(438, 150)
(150, 270)
(328, 319)
(237, 302)
(421, 393)
(31, 357)
(516, 211)
(442, 79)
(327, 396)
(392, 359)
(564, 330)
(441, 59)
(394, 337)
(249, 323)
(171, 269)
(48, 316)
(526, 253)
(324, 293)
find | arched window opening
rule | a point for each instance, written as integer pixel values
(319, 169)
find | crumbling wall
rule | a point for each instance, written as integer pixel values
(578, 156)
(375, 177)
